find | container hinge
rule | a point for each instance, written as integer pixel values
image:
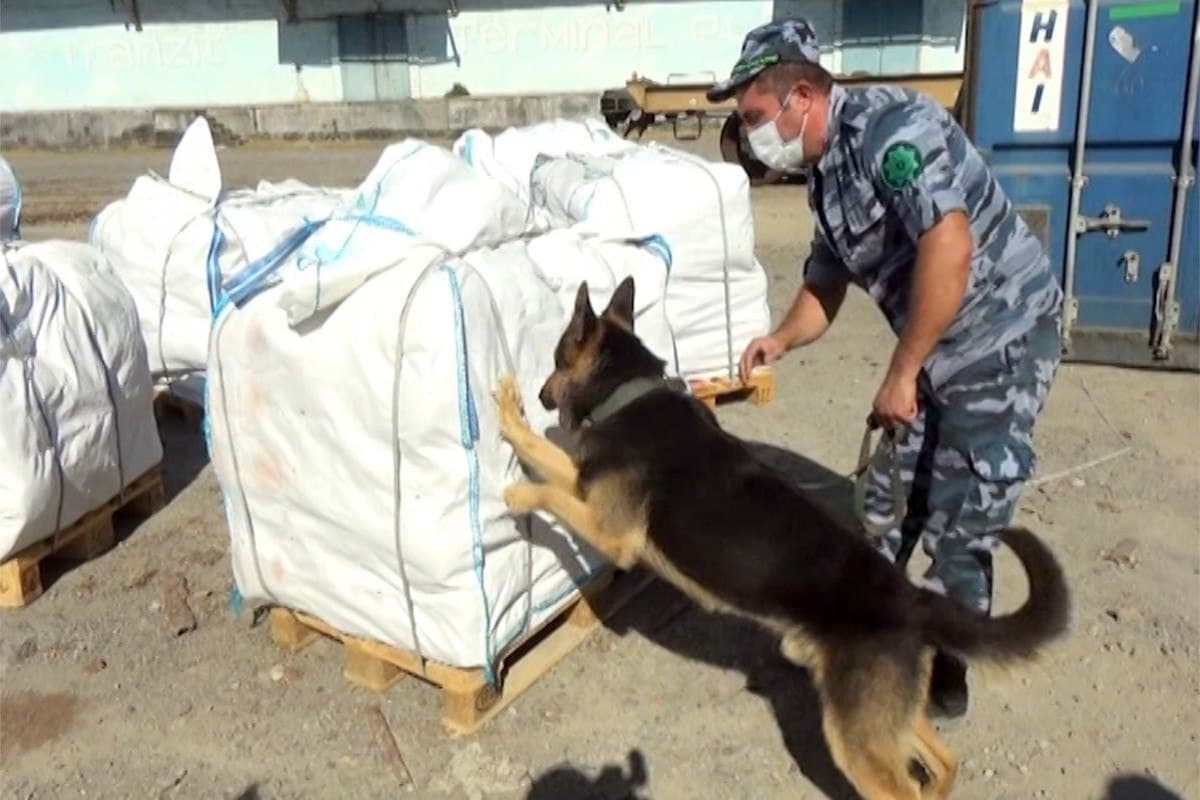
(1070, 314)
(1111, 222)
(1166, 312)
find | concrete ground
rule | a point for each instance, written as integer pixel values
(100, 699)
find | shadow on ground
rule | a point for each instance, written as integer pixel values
(184, 452)
(666, 617)
(612, 783)
(1136, 787)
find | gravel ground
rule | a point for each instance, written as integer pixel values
(101, 699)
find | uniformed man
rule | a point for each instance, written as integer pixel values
(906, 208)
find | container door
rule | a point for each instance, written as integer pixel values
(1138, 96)
(1026, 86)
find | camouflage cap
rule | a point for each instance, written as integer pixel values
(783, 40)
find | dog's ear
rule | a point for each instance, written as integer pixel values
(620, 307)
(583, 321)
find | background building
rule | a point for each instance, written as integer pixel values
(105, 54)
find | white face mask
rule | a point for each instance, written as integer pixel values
(770, 148)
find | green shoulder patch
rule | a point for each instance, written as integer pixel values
(901, 165)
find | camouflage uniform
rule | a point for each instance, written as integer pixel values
(896, 162)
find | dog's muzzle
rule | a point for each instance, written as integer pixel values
(549, 394)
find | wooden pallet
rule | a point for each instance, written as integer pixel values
(468, 700)
(167, 401)
(86, 538)
(759, 390)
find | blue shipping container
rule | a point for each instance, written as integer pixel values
(1087, 112)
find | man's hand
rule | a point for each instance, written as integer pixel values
(809, 317)
(895, 403)
(761, 351)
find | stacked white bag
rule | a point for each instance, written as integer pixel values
(76, 418)
(351, 421)
(10, 203)
(511, 155)
(573, 174)
(174, 240)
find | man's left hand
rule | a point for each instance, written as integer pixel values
(896, 401)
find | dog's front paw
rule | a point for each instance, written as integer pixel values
(508, 398)
(521, 498)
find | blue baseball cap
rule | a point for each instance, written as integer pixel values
(765, 46)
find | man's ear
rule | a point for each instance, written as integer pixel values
(620, 307)
(583, 321)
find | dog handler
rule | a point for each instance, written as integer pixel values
(906, 208)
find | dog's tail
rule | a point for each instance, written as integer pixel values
(1044, 616)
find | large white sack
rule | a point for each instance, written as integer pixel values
(509, 156)
(174, 240)
(76, 417)
(10, 203)
(356, 441)
(717, 291)
(415, 189)
(582, 173)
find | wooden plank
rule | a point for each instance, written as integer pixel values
(88, 537)
(468, 700)
(759, 390)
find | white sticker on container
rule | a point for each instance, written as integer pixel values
(1041, 60)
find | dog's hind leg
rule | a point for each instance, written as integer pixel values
(868, 701)
(872, 760)
(939, 762)
(547, 459)
(577, 515)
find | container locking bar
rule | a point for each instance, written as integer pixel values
(1111, 222)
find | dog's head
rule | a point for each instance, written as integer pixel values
(595, 354)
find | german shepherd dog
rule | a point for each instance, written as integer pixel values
(657, 481)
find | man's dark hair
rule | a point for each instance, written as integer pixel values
(780, 78)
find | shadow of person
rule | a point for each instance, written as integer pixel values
(612, 783)
(1135, 787)
(250, 793)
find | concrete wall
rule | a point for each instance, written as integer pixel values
(235, 124)
(85, 54)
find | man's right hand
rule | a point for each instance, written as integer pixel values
(761, 351)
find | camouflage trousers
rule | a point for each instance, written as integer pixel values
(964, 462)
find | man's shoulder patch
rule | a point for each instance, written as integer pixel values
(901, 165)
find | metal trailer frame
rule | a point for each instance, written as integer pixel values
(642, 102)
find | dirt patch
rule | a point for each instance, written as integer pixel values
(29, 720)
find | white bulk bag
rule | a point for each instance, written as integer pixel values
(174, 240)
(355, 439)
(76, 416)
(717, 291)
(509, 156)
(10, 203)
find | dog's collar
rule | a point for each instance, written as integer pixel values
(629, 391)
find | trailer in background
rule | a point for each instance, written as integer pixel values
(642, 102)
(1087, 113)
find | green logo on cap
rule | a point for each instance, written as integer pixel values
(901, 165)
(756, 63)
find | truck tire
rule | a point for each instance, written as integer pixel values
(735, 150)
